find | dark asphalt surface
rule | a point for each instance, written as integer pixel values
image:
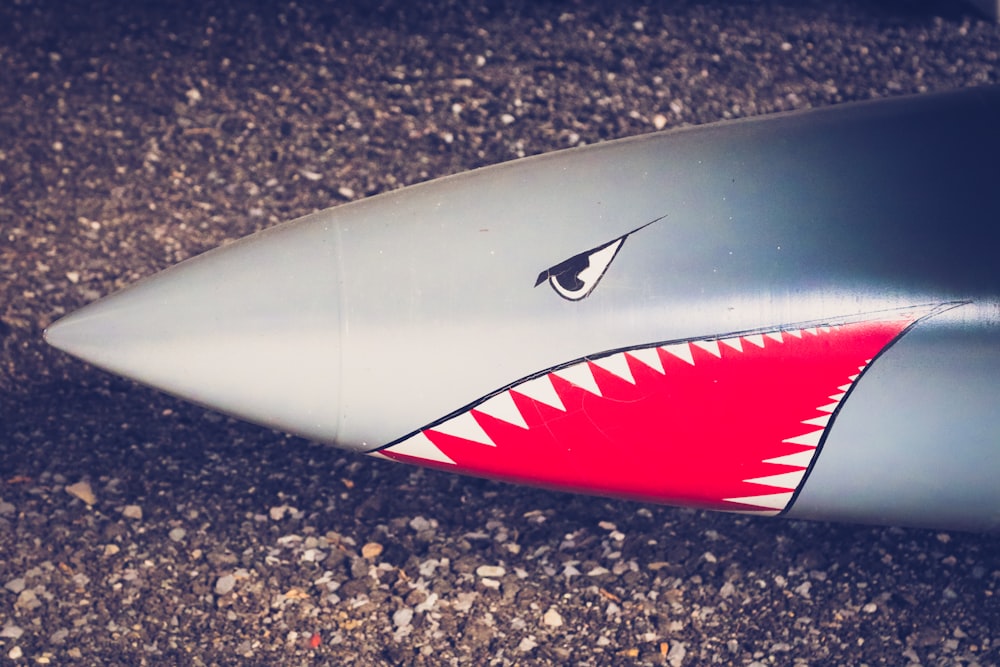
(133, 136)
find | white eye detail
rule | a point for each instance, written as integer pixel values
(577, 277)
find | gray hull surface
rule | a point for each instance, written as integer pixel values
(794, 314)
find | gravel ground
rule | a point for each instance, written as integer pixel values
(135, 529)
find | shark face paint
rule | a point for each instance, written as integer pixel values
(663, 368)
(727, 422)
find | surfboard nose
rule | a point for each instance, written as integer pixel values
(251, 329)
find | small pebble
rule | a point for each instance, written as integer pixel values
(492, 571)
(420, 524)
(371, 550)
(224, 585)
(28, 600)
(402, 617)
(527, 644)
(552, 618)
(312, 556)
(278, 512)
(15, 585)
(83, 491)
(359, 568)
(132, 512)
(678, 651)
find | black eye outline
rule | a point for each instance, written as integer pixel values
(575, 278)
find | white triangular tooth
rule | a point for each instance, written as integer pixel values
(811, 330)
(786, 480)
(837, 397)
(808, 439)
(756, 339)
(832, 407)
(817, 421)
(466, 427)
(734, 343)
(681, 351)
(502, 407)
(801, 459)
(775, 336)
(540, 389)
(773, 501)
(617, 365)
(420, 446)
(579, 375)
(854, 377)
(649, 356)
(794, 332)
(845, 387)
(826, 328)
(710, 346)
(862, 367)
(867, 361)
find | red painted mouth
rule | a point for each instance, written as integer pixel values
(730, 423)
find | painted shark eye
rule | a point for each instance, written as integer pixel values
(577, 277)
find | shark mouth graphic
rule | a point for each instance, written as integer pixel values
(731, 422)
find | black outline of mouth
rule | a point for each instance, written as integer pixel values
(416, 447)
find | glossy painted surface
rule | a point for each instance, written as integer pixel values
(398, 323)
